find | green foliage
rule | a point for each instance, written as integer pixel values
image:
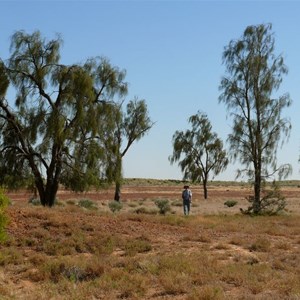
(163, 206)
(115, 206)
(129, 126)
(253, 74)
(230, 203)
(272, 202)
(4, 202)
(67, 121)
(87, 203)
(199, 151)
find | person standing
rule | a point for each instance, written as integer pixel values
(187, 199)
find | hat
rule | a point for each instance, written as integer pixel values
(186, 187)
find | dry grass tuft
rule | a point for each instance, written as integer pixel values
(72, 253)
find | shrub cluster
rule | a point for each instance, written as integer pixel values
(272, 202)
(115, 206)
(230, 203)
(86, 203)
(163, 206)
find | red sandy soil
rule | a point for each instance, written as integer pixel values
(163, 237)
(217, 195)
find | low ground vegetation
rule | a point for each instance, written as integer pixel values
(71, 252)
(4, 202)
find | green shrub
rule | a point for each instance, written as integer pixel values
(272, 202)
(230, 203)
(34, 201)
(4, 201)
(87, 203)
(115, 206)
(163, 205)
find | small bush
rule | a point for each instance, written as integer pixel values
(34, 201)
(230, 203)
(272, 202)
(86, 203)
(163, 205)
(115, 206)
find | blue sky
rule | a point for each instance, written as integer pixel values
(172, 51)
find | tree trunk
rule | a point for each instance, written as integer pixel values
(53, 175)
(118, 178)
(41, 191)
(117, 191)
(257, 188)
(48, 194)
(205, 192)
(205, 187)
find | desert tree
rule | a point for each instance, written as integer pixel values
(94, 152)
(130, 125)
(41, 129)
(253, 75)
(53, 126)
(199, 151)
(120, 125)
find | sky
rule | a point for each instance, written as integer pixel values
(172, 53)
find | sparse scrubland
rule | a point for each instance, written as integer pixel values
(82, 250)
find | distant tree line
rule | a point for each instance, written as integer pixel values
(63, 124)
